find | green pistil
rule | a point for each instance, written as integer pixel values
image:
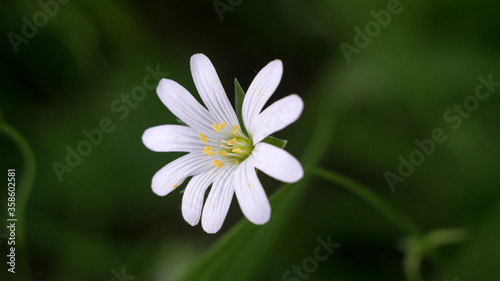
(241, 149)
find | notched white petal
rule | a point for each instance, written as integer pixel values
(218, 201)
(277, 116)
(250, 194)
(192, 199)
(211, 91)
(175, 172)
(276, 163)
(260, 90)
(171, 138)
(183, 105)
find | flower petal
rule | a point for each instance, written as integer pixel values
(171, 138)
(276, 163)
(211, 91)
(277, 116)
(183, 105)
(175, 172)
(259, 92)
(250, 194)
(218, 201)
(192, 199)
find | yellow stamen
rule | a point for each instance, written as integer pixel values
(216, 127)
(218, 163)
(174, 186)
(203, 138)
(221, 153)
(208, 152)
(236, 150)
(222, 125)
(232, 142)
(208, 148)
(235, 129)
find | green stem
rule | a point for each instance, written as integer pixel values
(23, 189)
(398, 218)
(26, 180)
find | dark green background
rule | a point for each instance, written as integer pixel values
(103, 216)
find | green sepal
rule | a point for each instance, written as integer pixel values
(275, 141)
(180, 122)
(239, 95)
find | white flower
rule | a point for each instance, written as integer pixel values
(219, 153)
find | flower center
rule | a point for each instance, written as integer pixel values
(233, 146)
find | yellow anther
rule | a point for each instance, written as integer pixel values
(174, 186)
(232, 142)
(216, 127)
(203, 138)
(208, 152)
(208, 148)
(217, 163)
(235, 129)
(221, 153)
(236, 150)
(222, 125)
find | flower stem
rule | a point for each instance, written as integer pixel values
(23, 189)
(397, 217)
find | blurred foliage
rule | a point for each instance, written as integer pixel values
(103, 216)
